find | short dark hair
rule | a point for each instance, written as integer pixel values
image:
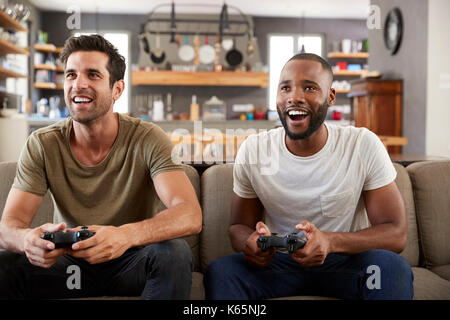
(116, 64)
(311, 56)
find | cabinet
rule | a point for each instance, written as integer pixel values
(48, 73)
(377, 105)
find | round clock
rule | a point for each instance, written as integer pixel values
(393, 30)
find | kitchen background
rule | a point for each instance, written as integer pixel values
(411, 64)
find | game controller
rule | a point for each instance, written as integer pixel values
(292, 242)
(66, 239)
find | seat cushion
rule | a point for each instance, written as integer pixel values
(431, 185)
(430, 286)
(442, 271)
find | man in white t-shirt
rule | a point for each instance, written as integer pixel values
(336, 184)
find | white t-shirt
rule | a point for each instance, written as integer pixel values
(324, 188)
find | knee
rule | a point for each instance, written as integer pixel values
(174, 253)
(390, 274)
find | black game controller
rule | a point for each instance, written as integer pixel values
(292, 242)
(66, 239)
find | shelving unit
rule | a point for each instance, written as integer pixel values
(200, 78)
(48, 49)
(7, 47)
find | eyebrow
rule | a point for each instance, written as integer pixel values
(304, 81)
(88, 70)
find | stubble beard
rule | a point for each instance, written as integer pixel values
(317, 118)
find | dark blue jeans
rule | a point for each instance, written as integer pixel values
(158, 271)
(374, 274)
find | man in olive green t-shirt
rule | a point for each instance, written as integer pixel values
(105, 171)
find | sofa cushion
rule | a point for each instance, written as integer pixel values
(430, 286)
(431, 184)
(411, 251)
(217, 189)
(442, 271)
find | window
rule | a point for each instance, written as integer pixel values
(281, 48)
(121, 41)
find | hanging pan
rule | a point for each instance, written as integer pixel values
(186, 52)
(234, 56)
(158, 55)
(207, 52)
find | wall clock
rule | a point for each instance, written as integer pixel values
(393, 30)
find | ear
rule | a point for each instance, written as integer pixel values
(118, 88)
(331, 97)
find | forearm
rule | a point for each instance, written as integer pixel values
(178, 221)
(387, 236)
(239, 234)
(12, 238)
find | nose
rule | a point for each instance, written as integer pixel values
(296, 96)
(80, 82)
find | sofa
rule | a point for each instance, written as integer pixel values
(425, 187)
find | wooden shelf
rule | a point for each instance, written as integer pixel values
(7, 47)
(48, 85)
(355, 55)
(347, 73)
(6, 73)
(200, 78)
(44, 47)
(48, 67)
(342, 90)
(8, 23)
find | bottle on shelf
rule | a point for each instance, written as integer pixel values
(195, 109)
(158, 109)
(169, 109)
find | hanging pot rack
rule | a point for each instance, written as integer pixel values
(222, 26)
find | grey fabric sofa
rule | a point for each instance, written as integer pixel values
(425, 188)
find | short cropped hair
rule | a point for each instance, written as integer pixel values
(311, 56)
(116, 64)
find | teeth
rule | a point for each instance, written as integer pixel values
(81, 99)
(297, 112)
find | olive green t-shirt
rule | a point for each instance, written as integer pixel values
(118, 190)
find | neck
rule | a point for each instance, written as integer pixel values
(309, 146)
(90, 143)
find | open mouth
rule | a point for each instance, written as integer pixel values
(82, 100)
(297, 114)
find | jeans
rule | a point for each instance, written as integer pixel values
(158, 271)
(374, 274)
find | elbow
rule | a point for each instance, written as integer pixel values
(196, 221)
(399, 242)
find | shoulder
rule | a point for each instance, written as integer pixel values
(353, 136)
(50, 132)
(139, 127)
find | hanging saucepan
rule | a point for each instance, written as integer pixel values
(186, 52)
(207, 52)
(158, 55)
(234, 56)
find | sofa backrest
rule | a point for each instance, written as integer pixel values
(431, 185)
(45, 212)
(217, 189)
(7, 174)
(411, 251)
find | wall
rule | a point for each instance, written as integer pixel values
(438, 79)
(409, 64)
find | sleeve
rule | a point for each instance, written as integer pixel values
(31, 174)
(242, 185)
(379, 168)
(159, 156)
